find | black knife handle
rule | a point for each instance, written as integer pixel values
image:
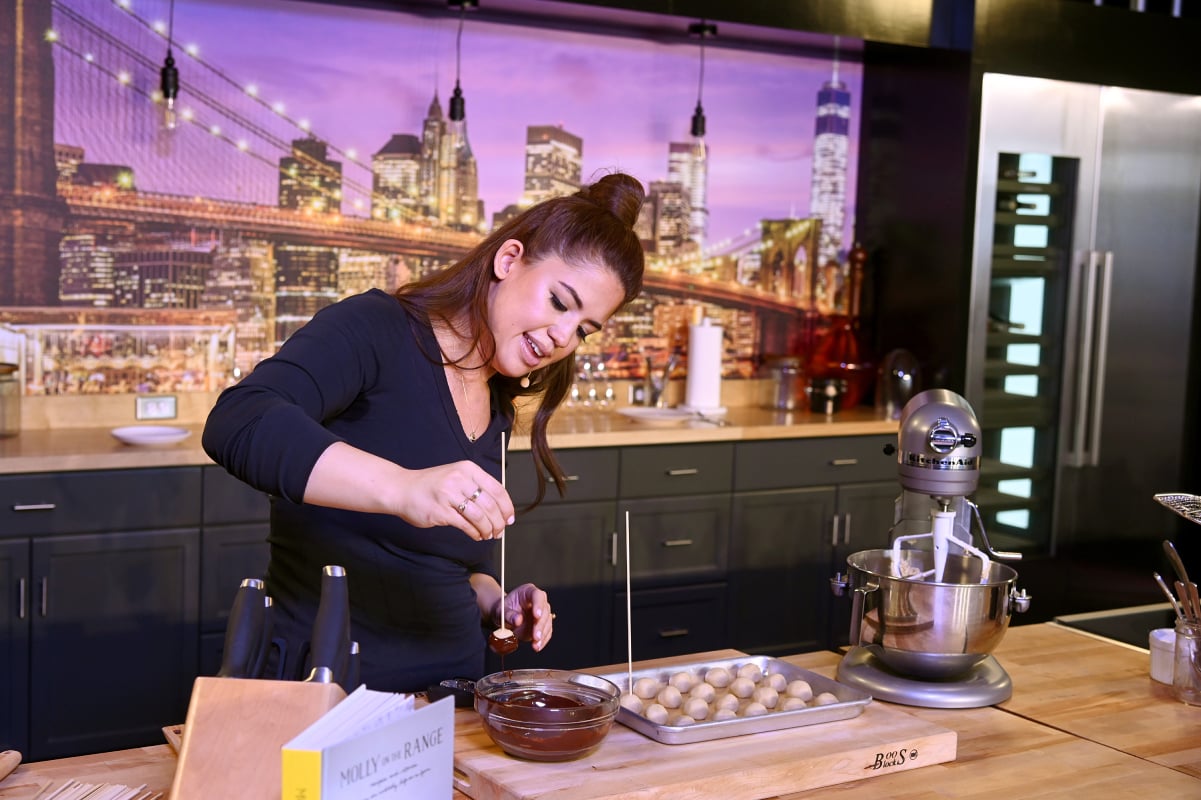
(264, 642)
(243, 631)
(352, 669)
(330, 642)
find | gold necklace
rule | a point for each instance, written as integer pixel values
(466, 405)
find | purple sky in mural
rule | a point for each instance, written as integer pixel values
(360, 76)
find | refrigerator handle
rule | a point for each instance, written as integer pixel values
(1084, 337)
(1101, 356)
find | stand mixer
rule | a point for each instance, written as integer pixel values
(928, 611)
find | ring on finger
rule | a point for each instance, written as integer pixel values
(478, 491)
(461, 507)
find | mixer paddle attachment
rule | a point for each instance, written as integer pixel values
(943, 533)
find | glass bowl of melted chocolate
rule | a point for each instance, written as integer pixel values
(546, 714)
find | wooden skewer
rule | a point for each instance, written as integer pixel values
(629, 616)
(504, 485)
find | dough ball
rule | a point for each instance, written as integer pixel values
(727, 702)
(801, 689)
(682, 681)
(704, 691)
(754, 710)
(633, 702)
(696, 708)
(792, 704)
(656, 713)
(646, 688)
(718, 677)
(751, 672)
(766, 696)
(777, 681)
(724, 713)
(825, 699)
(683, 720)
(742, 687)
(669, 697)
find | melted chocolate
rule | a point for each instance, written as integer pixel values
(502, 645)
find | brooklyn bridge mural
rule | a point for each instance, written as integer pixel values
(310, 154)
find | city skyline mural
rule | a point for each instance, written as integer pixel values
(312, 156)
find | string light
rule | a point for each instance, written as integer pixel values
(458, 106)
(169, 76)
(701, 29)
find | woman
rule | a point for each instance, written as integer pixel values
(377, 430)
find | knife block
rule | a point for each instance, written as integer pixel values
(234, 732)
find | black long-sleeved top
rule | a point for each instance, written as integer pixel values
(361, 372)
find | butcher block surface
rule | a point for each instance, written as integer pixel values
(1085, 720)
(751, 767)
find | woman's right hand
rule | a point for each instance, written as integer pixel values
(461, 495)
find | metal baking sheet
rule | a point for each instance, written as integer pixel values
(851, 702)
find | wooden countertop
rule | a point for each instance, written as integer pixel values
(1085, 719)
(67, 449)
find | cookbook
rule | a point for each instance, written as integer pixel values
(373, 745)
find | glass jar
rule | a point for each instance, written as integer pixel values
(786, 385)
(1186, 666)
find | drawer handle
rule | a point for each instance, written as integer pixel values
(673, 633)
(844, 462)
(677, 542)
(21, 598)
(34, 507)
(45, 595)
(566, 478)
(676, 473)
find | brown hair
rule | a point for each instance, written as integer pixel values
(594, 226)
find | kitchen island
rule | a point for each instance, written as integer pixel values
(1085, 719)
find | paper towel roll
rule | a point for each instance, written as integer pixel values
(702, 388)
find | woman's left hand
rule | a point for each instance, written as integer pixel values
(528, 614)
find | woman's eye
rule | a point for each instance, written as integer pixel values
(557, 303)
(580, 332)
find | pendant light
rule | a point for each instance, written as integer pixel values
(169, 77)
(699, 151)
(458, 107)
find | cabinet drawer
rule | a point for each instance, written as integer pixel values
(227, 499)
(111, 500)
(671, 622)
(590, 474)
(788, 463)
(679, 537)
(676, 469)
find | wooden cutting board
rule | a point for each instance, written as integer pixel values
(879, 741)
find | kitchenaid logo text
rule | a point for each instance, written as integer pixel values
(925, 461)
(893, 758)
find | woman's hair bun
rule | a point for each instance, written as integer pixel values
(619, 193)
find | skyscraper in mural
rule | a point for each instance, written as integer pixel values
(553, 163)
(828, 196)
(396, 170)
(309, 180)
(688, 165)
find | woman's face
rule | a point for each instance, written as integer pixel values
(541, 311)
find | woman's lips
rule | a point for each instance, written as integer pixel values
(531, 353)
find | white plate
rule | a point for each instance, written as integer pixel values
(151, 434)
(656, 416)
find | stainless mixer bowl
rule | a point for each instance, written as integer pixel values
(925, 629)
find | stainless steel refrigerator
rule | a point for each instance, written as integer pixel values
(1084, 259)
